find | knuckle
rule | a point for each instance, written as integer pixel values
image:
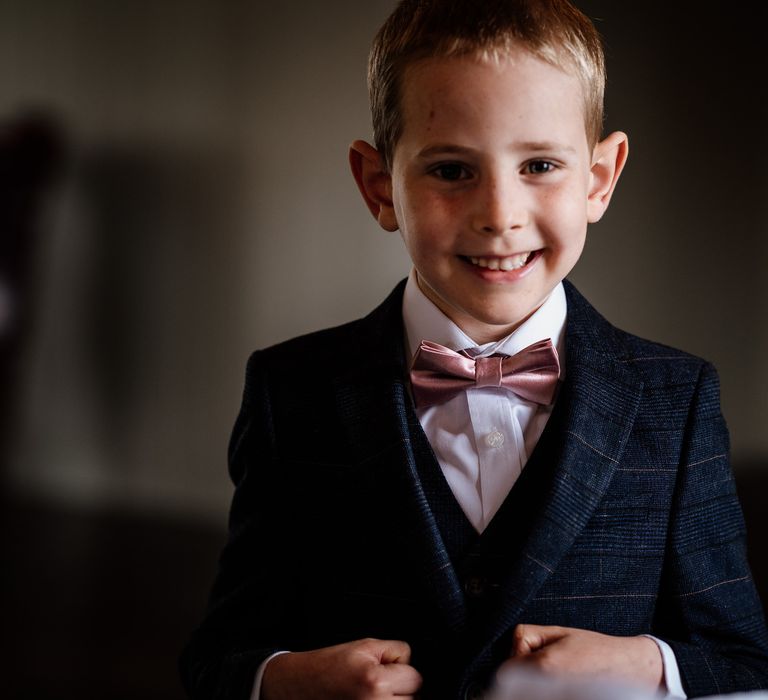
(366, 644)
(371, 681)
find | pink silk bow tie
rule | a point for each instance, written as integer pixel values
(438, 373)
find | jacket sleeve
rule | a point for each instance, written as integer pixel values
(711, 614)
(248, 605)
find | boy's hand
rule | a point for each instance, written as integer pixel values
(561, 650)
(368, 669)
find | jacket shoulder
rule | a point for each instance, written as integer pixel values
(322, 346)
(672, 377)
(372, 340)
(648, 354)
(654, 362)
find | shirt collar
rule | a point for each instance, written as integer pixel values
(424, 321)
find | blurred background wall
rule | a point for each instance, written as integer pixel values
(206, 210)
(201, 207)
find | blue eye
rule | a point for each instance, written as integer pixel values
(539, 167)
(451, 171)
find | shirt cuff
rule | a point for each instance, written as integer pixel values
(256, 692)
(674, 690)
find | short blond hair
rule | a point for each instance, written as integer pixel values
(552, 30)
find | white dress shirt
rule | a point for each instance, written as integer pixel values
(482, 437)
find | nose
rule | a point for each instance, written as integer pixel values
(499, 206)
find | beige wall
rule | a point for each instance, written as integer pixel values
(207, 211)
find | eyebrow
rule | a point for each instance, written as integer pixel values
(528, 146)
(446, 148)
(545, 146)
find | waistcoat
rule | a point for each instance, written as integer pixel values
(453, 669)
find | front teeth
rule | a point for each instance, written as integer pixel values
(514, 262)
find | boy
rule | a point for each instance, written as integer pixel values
(542, 489)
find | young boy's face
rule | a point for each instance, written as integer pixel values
(491, 185)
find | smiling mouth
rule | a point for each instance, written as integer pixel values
(512, 262)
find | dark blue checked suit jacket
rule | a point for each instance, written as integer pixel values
(637, 528)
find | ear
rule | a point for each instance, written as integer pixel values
(608, 159)
(374, 183)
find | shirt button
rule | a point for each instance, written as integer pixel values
(494, 439)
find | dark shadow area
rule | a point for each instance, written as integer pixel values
(752, 484)
(99, 604)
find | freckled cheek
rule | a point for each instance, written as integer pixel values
(448, 215)
(434, 219)
(563, 219)
(566, 240)
(425, 238)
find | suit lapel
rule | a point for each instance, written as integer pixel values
(595, 410)
(373, 401)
